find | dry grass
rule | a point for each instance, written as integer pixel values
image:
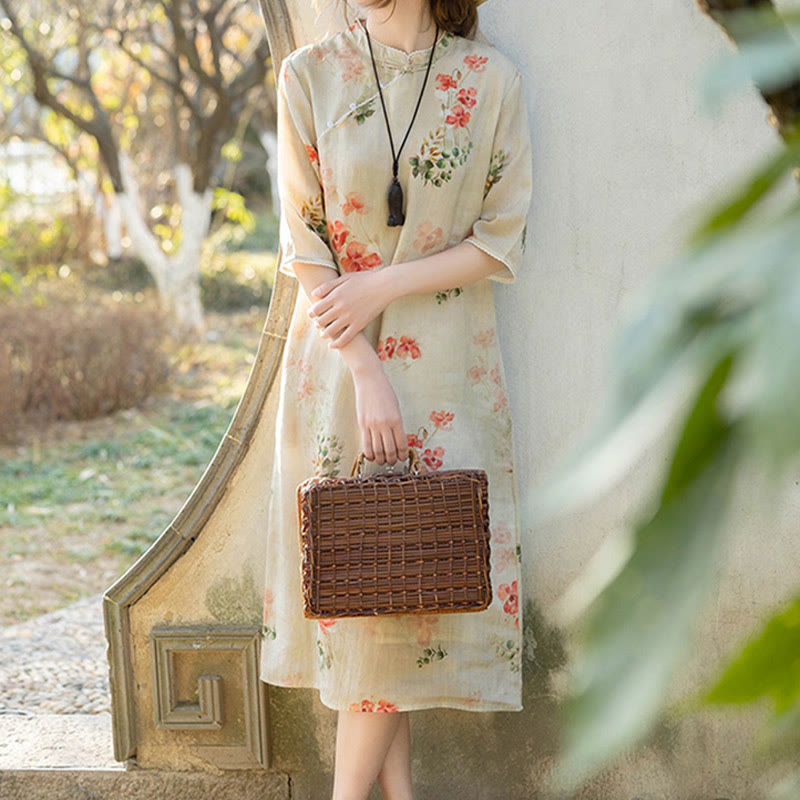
(81, 500)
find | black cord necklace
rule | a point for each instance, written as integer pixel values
(395, 196)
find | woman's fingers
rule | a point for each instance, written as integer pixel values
(378, 445)
(344, 337)
(389, 448)
(401, 440)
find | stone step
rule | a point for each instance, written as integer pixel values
(69, 756)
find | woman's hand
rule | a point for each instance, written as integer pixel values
(379, 418)
(348, 303)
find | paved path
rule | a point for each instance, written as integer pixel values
(56, 663)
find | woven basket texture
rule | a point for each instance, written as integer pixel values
(395, 543)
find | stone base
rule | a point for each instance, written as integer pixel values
(64, 756)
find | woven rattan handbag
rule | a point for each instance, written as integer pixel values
(394, 543)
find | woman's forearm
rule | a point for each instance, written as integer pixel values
(455, 266)
(358, 353)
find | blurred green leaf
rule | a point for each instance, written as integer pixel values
(769, 664)
(754, 188)
(639, 626)
(772, 63)
(768, 53)
(668, 339)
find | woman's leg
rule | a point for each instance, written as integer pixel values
(395, 775)
(363, 739)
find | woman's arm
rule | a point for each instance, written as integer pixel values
(359, 353)
(459, 265)
(347, 303)
(378, 412)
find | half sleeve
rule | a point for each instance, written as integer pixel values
(303, 228)
(502, 226)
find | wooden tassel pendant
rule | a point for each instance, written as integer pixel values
(396, 215)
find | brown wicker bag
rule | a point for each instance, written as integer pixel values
(394, 543)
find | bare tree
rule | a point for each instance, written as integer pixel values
(205, 59)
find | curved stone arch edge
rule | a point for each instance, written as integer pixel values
(187, 524)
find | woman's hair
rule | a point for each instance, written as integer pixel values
(457, 16)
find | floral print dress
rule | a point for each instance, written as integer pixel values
(466, 174)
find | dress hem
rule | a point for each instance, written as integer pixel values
(454, 703)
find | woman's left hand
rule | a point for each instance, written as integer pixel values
(348, 303)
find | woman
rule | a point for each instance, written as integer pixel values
(392, 343)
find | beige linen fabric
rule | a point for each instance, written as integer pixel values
(466, 173)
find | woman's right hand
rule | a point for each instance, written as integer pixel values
(379, 418)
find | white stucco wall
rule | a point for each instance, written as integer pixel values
(625, 155)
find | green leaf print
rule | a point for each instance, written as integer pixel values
(313, 214)
(448, 293)
(436, 164)
(431, 654)
(498, 164)
(329, 455)
(507, 649)
(325, 657)
(364, 111)
(267, 632)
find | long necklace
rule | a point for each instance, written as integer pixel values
(395, 196)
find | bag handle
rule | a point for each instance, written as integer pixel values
(413, 463)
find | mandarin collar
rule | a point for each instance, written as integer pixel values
(394, 57)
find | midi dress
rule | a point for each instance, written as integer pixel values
(466, 175)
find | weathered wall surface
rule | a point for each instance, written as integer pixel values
(624, 155)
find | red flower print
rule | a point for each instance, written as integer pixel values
(354, 203)
(413, 440)
(386, 347)
(324, 624)
(368, 705)
(501, 534)
(495, 375)
(425, 624)
(433, 458)
(475, 62)
(428, 237)
(476, 373)
(337, 233)
(466, 96)
(442, 419)
(356, 258)
(474, 697)
(312, 153)
(445, 82)
(504, 558)
(484, 338)
(501, 401)
(459, 117)
(408, 347)
(508, 592)
(349, 61)
(268, 600)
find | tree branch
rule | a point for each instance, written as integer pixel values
(784, 103)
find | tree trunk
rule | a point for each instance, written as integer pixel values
(269, 141)
(177, 277)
